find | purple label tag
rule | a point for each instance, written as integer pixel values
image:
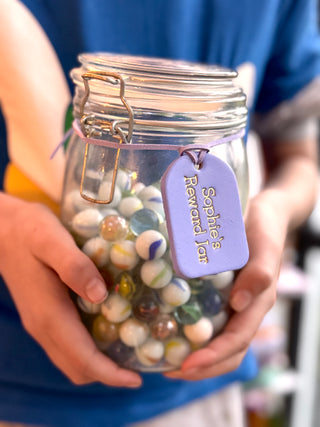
(204, 218)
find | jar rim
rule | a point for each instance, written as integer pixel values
(177, 69)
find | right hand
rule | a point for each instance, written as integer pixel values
(39, 260)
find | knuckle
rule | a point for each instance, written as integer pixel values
(71, 267)
(243, 343)
(264, 278)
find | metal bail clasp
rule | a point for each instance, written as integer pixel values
(112, 126)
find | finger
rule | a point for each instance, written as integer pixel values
(235, 338)
(74, 268)
(68, 343)
(263, 265)
(200, 373)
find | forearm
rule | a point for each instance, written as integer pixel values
(292, 181)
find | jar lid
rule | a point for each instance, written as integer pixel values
(164, 94)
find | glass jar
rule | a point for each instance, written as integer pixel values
(112, 203)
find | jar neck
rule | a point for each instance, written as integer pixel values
(149, 97)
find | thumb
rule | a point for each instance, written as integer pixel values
(56, 248)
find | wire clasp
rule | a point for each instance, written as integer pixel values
(113, 127)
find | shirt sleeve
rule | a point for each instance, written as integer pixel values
(295, 56)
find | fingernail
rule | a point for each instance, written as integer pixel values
(96, 291)
(241, 300)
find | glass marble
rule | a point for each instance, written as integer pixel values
(152, 199)
(176, 350)
(188, 313)
(176, 293)
(222, 280)
(199, 332)
(196, 285)
(133, 332)
(156, 273)
(151, 245)
(87, 306)
(116, 309)
(74, 203)
(146, 308)
(125, 285)
(219, 321)
(129, 205)
(98, 250)
(108, 276)
(105, 191)
(164, 327)
(210, 300)
(113, 228)
(86, 223)
(137, 187)
(105, 211)
(143, 220)
(103, 330)
(120, 352)
(123, 179)
(150, 353)
(124, 255)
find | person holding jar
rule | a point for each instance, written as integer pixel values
(275, 47)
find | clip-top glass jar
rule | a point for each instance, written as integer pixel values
(112, 203)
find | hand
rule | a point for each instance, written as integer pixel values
(253, 294)
(38, 260)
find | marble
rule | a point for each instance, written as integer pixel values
(113, 228)
(125, 285)
(143, 220)
(74, 203)
(151, 245)
(163, 327)
(137, 188)
(120, 353)
(105, 191)
(86, 223)
(150, 353)
(199, 332)
(87, 306)
(210, 300)
(123, 179)
(146, 308)
(129, 205)
(152, 199)
(116, 309)
(124, 255)
(222, 280)
(188, 313)
(176, 350)
(176, 293)
(98, 250)
(103, 330)
(133, 333)
(219, 321)
(156, 273)
(106, 211)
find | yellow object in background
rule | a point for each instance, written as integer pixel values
(18, 185)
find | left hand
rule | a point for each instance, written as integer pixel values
(253, 293)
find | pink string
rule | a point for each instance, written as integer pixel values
(116, 145)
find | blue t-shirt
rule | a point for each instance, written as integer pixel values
(280, 39)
